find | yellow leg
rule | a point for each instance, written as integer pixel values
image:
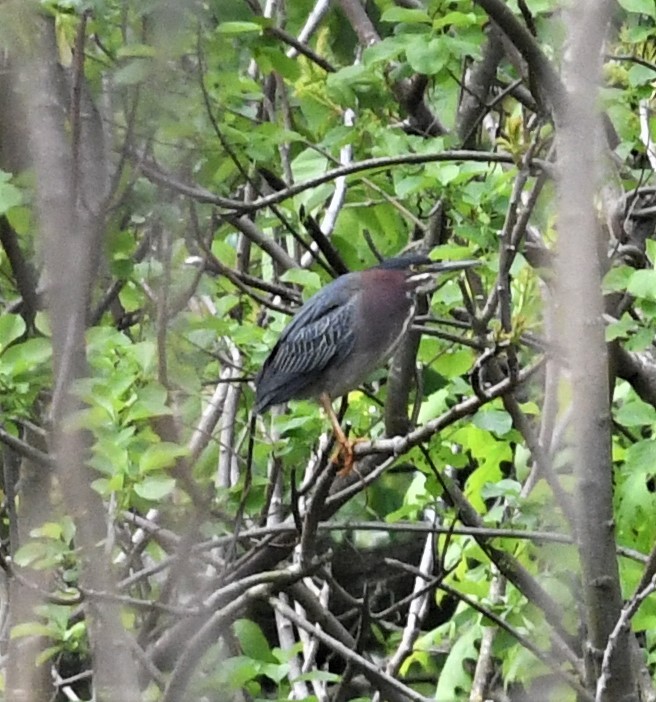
(345, 450)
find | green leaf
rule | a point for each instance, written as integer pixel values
(408, 185)
(236, 672)
(109, 458)
(644, 7)
(225, 303)
(304, 278)
(408, 511)
(639, 34)
(426, 56)
(444, 172)
(503, 488)
(68, 528)
(237, 27)
(643, 284)
(145, 354)
(20, 219)
(134, 72)
(287, 654)
(75, 632)
(651, 249)
(352, 82)
(122, 267)
(496, 421)
(620, 328)
(455, 677)
(150, 402)
(636, 502)
(516, 668)
(49, 530)
(10, 195)
(47, 654)
(645, 618)
(384, 51)
(433, 406)
(486, 474)
(407, 15)
(308, 164)
(252, 641)
(29, 552)
(635, 413)
(155, 487)
(160, 455)
(320, 675)
(454, 363)
(272, 59)
(450, 252)
(640, 75)
(276, 671)
(11, 327)
(640, 340)
(639, 458)
(31, 629)
(224, 252)
(455, 19)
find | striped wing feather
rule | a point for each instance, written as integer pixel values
(319, 336)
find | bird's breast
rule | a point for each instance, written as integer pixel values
(386, 308)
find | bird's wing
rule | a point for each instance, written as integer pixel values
(321, 334)
(314, 345)
(324, 303)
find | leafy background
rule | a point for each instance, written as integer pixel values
(176, 179)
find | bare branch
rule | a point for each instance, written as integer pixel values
(70, 232)
(617, 637)
(582, 336)
(394, 690)
(155, 173)
(544, 76)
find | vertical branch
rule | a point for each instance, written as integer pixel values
(417, 609)
(70, 240)
(477, 82)
(485, 662)
(403, 367)
(28, 510)
(580, 310)
(76, 97)
(228, 469)
(163, 310)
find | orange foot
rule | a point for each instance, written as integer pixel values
(345, 456)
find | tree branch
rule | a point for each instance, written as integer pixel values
(580, 307)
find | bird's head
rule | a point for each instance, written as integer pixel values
(420, 271)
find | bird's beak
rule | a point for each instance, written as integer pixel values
(445, 266)
(424, 278)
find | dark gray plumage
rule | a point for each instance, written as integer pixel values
(342, 333)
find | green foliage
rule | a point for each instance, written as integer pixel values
(63, 636)
(256, 664)
(50, 546)
(198, 100)
(10, 196)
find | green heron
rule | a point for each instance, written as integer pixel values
(344, 332)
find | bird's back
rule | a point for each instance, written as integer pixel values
(320, 335)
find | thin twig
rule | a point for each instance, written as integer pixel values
(553, 664)
(623, 623)
(154, 172)
(394, 689)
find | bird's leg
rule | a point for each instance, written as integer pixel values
(345, 444)
(327, 405)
